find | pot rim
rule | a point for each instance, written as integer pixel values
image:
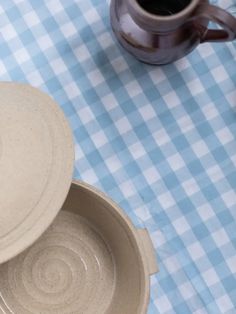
(133, 235)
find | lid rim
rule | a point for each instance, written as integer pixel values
(60, 176)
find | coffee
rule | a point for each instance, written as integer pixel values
(163, 7)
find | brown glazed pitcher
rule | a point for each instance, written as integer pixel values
(162, 31)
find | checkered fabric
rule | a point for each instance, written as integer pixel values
(159, 140)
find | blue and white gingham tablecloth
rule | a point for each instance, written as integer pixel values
(161, 141)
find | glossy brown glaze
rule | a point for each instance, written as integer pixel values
(161, 39)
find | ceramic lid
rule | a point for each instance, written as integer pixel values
(36, 165)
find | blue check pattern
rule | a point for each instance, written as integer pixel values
(159, 140)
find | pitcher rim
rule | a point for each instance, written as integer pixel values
(134, 5)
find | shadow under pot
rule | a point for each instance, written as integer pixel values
(90, 260)
(163, 31)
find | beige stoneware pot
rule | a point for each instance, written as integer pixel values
(91, 259)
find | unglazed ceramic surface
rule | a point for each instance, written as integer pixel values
(90, 261)
(69, 270)
(36, 165)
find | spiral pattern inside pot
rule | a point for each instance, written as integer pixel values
(68, 270)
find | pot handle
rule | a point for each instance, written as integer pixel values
(148, 249)
(222, 18)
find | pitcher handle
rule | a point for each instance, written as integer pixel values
(221, 17)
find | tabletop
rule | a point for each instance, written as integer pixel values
(160, 141)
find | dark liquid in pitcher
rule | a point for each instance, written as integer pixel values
(163, 7)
